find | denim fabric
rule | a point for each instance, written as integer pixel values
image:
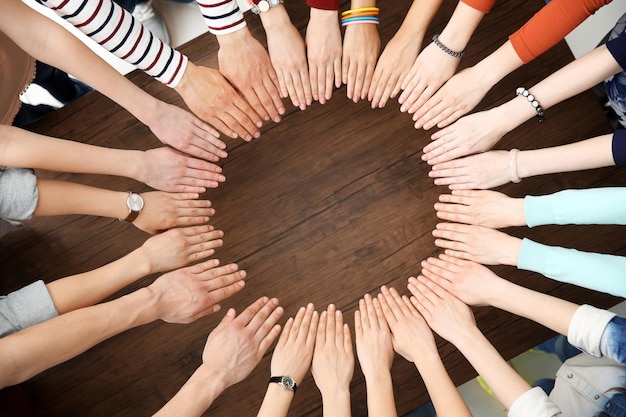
(615, 86)
(616, 407)
(613, 343)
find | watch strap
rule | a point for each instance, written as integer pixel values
(131, 216)
(279, 380)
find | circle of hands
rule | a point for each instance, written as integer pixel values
(241, 100)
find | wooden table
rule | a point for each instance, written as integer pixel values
(327, 205)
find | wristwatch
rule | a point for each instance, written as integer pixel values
(261, 6)
(135, 204)
(286, 382)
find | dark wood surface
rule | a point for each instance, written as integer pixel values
(327, 205)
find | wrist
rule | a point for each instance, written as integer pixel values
(234, 38)
(333, 396)
(322, 16)
(142, 258)
(275, 20)
(375, 374)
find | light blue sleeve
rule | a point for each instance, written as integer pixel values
(591, 206)
(600, 272)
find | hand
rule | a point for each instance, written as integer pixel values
(478, 244)
(163, 211)
(361, 44)
(323, 41)
(185, 132)
(179, 247)
(392, 67)
(333, 359)
(432, 68)
(471, 134)
(481, 208)
(167, 169)
(293, 353)
(444, 313)
(288, 57)
(235, 347)
(244, 61)
(459, 94)
(482, 171)
(373, 338)
(468, 281)
(411, 336)
(211, 97)
(184, 295)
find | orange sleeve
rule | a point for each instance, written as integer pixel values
(480, 5)
(550, 25)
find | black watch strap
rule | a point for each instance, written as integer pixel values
(286, 382)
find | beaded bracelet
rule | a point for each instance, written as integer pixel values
(521, 91)
(446, 49)
(513, 175)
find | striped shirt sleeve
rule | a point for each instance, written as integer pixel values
(120, 33)
(222, 16)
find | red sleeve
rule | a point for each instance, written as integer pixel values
(480, 5)
(550, 25)
(323, 4)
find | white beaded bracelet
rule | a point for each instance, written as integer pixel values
(513, 166)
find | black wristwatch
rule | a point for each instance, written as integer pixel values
(286, 382)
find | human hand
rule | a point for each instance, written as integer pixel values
(432, 68)
(288, 56)
(186, 294)
(180, 129)
(169, 170)
(471, 134)
(163, 211)
(481, 171)
(213, 99)
(235, 347)
(361, 44)
(481, 208)
(444, 313)
(179, 247)
(333, 359)
(323, 42)
(373, 338)
(456, 97)
(245, 63)
(478, 244)
(410, 335)
(392, 68)
(468, 281)
(294, 351)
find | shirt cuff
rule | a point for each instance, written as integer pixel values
(534, 402)
(19, 195)
(323, 4)
(538, 210)
(25, 307)
(618, 146)
(586, 328)
(532, 256)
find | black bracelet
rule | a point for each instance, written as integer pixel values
(447, 50)
(521, 91)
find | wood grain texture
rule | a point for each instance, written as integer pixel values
(329, 204)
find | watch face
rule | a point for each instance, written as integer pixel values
(135, 202)
(288, 382)
(263, 5)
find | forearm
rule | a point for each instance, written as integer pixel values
(496, 66)
(20, 148)
(460, 27)
(86, 289)
(587, 154)
(355, 4)
(337, 403)
(33, 350)
(443, 394)
(380, 400)
(275, 19)
(196, 396)
(589, 206)
(596, 271)
(276, 401)
(418, 18)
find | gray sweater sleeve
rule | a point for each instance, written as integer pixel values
(18, 193)
(25, 307)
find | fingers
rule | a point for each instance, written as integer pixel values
(371, 312)
(321, 330)
(244, 120)
(331, 324)
(271, 100)
(233, 284)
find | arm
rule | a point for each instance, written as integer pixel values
(323, 45)
(415, 342)
(287, 52)
(401, 52)
(333, 363)
(433, 67)
(232, 350)
(292, 357)
(375, 352)
(177, 297)
(162, 168)
(53, 44)
(361, 44)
